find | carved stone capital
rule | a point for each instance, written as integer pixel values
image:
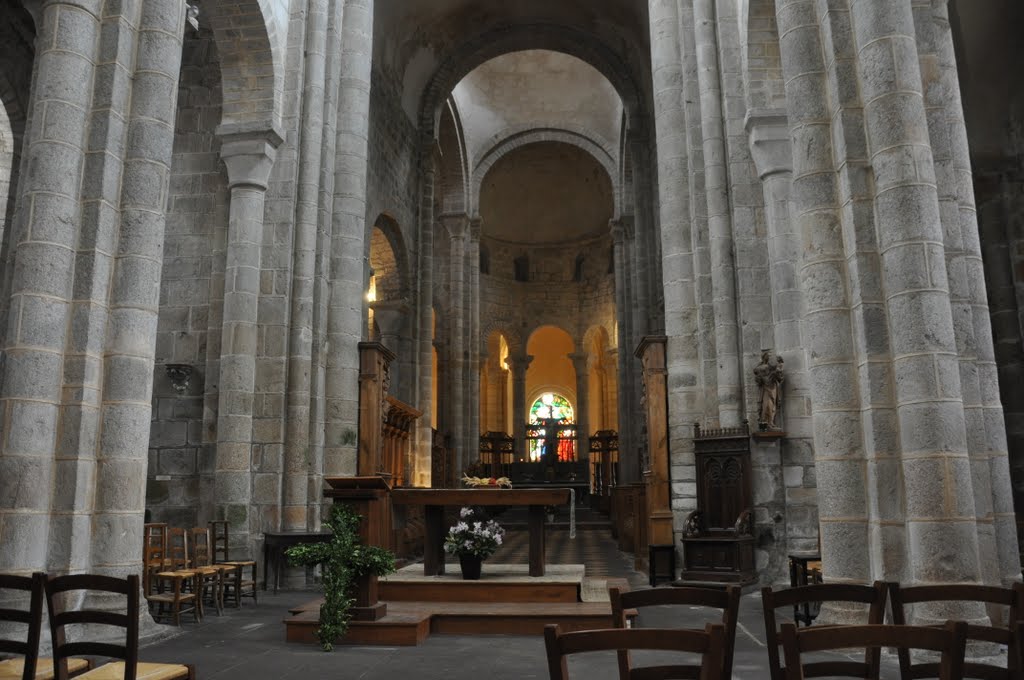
(248, 153)
(456, 224)
(771, 146)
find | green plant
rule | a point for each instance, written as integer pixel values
(344, 560)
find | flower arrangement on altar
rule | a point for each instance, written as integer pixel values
(471, 536)
(487, 481)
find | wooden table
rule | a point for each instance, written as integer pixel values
(276, 542)
(435, 500)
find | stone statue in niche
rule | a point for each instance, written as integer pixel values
(769, 375)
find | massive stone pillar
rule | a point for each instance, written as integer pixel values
(295, 483)
(348, 229)
(135, 294)
(249, 157)
(832, 369)
(45, 234)
(941, 545)
(716, 190)
(681, 318)
(518, 365)
(579, 362)
(986, 432)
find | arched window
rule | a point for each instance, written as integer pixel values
(548, 414)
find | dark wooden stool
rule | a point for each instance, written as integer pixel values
(653, 551)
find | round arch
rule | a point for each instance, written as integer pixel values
(512, 140)
(556, 38)
(247, 44)
(392, 233)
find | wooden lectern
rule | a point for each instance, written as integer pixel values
(368, 497)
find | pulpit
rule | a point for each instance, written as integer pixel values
(369, 498)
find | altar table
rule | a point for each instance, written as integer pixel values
(275, 543)
(435, 500)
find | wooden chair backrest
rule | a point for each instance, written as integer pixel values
(1012, 598)
(33, 618)
(950, 640)
(728, 600)
(873, 595)
(710, 643)
(177, 548)
(219, 539)
(61, 617)
(201, 553)
(154, 542)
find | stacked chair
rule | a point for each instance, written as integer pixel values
(66, 661)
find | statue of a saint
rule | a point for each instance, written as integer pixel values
(769, 376)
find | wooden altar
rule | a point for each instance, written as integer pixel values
(434, 502)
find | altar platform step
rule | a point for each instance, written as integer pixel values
(409, 623)
(498, 583)
(504, 601)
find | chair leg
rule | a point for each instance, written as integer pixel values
(255, 580)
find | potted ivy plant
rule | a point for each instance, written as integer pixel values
(343, 561)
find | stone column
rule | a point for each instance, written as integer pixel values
(579, 362)
(474, 364)
(518, 365)
(771, 150)
(940, 545)
(987, 445)
(45, 234)
(457, 226)
(716, 189)
(348, 229)
(249, 157)
(623, 368)
(681, 317)
(425, 321)
(135, 295)
(832, 370)
(300, 340)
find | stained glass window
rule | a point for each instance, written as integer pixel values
(551, 410)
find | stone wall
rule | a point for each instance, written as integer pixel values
(550, 297)
(193, 251)
(391, 182)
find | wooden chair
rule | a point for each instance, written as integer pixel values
(709, 643)
(154, 555)
(178, 585)
(727, 600)
(211, 576)
(129, 668)
(873, 595)
(28, 666)
(950, 640)
(1012, 598)
(242, 585)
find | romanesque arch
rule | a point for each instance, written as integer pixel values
(251, 63)
(509, 141)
